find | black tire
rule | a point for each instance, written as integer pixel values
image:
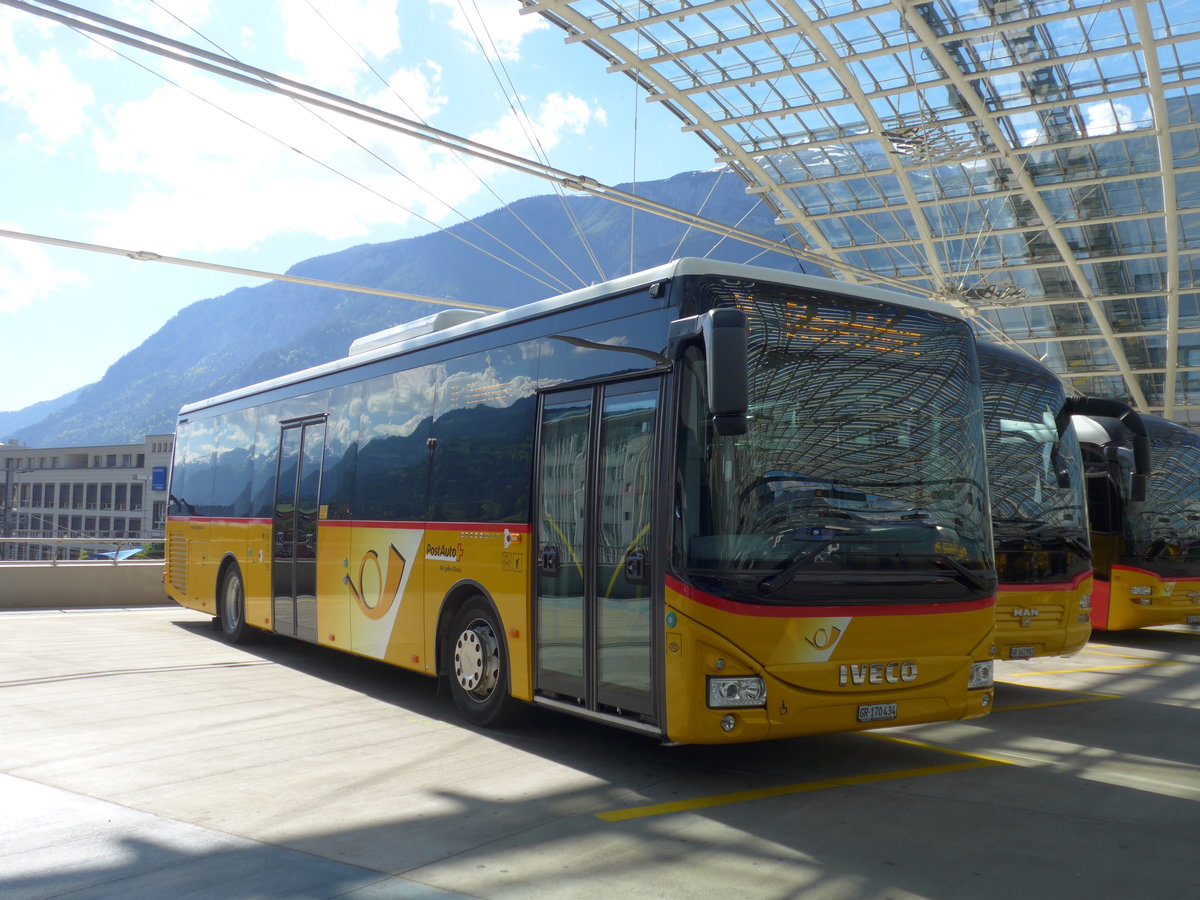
(477, 667)
(231, 608)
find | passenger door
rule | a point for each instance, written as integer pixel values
(595, 586)
(296, 515)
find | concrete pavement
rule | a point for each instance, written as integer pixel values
(140, 751)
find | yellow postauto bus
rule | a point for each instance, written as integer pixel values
(1147, 544)
(706, 502)
(1039, 504)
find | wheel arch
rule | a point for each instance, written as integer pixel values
(228, 561)
(455, 599)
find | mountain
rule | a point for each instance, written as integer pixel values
(252, 334)
(12, 421)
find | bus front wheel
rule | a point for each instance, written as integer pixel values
(232, 611)
(478, 666)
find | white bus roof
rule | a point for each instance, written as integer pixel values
(377, 346)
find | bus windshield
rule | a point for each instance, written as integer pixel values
(863, 465)
(1165, 528)
(1036, 477)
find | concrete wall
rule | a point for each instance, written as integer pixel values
(80, 585)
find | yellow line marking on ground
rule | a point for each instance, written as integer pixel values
(659, 809)
(1144, 665)
(1113, 655)
(937, 748)
(1083, 697)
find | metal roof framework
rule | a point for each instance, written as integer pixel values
(1034, 162)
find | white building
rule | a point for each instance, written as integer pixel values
(99, 493)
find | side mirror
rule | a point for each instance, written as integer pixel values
(724, 334)
(1139, 437)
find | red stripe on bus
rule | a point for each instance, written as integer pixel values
(813, 612)
(1048, 586)
(426, 526)
(1155, 575)
(220, 520)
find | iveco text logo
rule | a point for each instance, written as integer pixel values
(877, 673)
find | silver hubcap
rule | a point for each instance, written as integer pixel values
(232, 607)
(477, 660)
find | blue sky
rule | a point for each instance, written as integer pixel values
(131, 151)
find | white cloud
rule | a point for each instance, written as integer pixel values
(28, 274)
(205, 180)
(43, 88)
(412, 93)
(370, 27)
(495, 26)
(1107, 118)
(558, 114)
(174, 18)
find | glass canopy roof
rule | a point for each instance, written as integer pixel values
(1034, 162)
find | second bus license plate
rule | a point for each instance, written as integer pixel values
(876, 712)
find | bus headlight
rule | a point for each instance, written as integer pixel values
(981, 675)
(731, 692)
(1085, 602)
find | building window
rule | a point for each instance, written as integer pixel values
(119, 500)
(93, 491)
(96, 461)
(135, 497)
(111, 460)
(106, 496)
(36, 497)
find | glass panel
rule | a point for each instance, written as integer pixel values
(623, 575)
(563, 558)
(307, 520)
(283, 585)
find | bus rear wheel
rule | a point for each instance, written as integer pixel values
(231, 611)
(478, 667)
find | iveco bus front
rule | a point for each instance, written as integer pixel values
(833, 565)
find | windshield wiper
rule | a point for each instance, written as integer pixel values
(802, 561)
(971, 579)
(1046, 535)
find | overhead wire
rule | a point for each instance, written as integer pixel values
(517, 107)
(150, 256)
(473, 222)
(289, 87)
(558, 285)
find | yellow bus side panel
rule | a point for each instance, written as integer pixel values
(380, 590)
(497, 558)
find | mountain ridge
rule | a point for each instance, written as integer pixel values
(252, 334)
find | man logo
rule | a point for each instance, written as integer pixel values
(1026, 614)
